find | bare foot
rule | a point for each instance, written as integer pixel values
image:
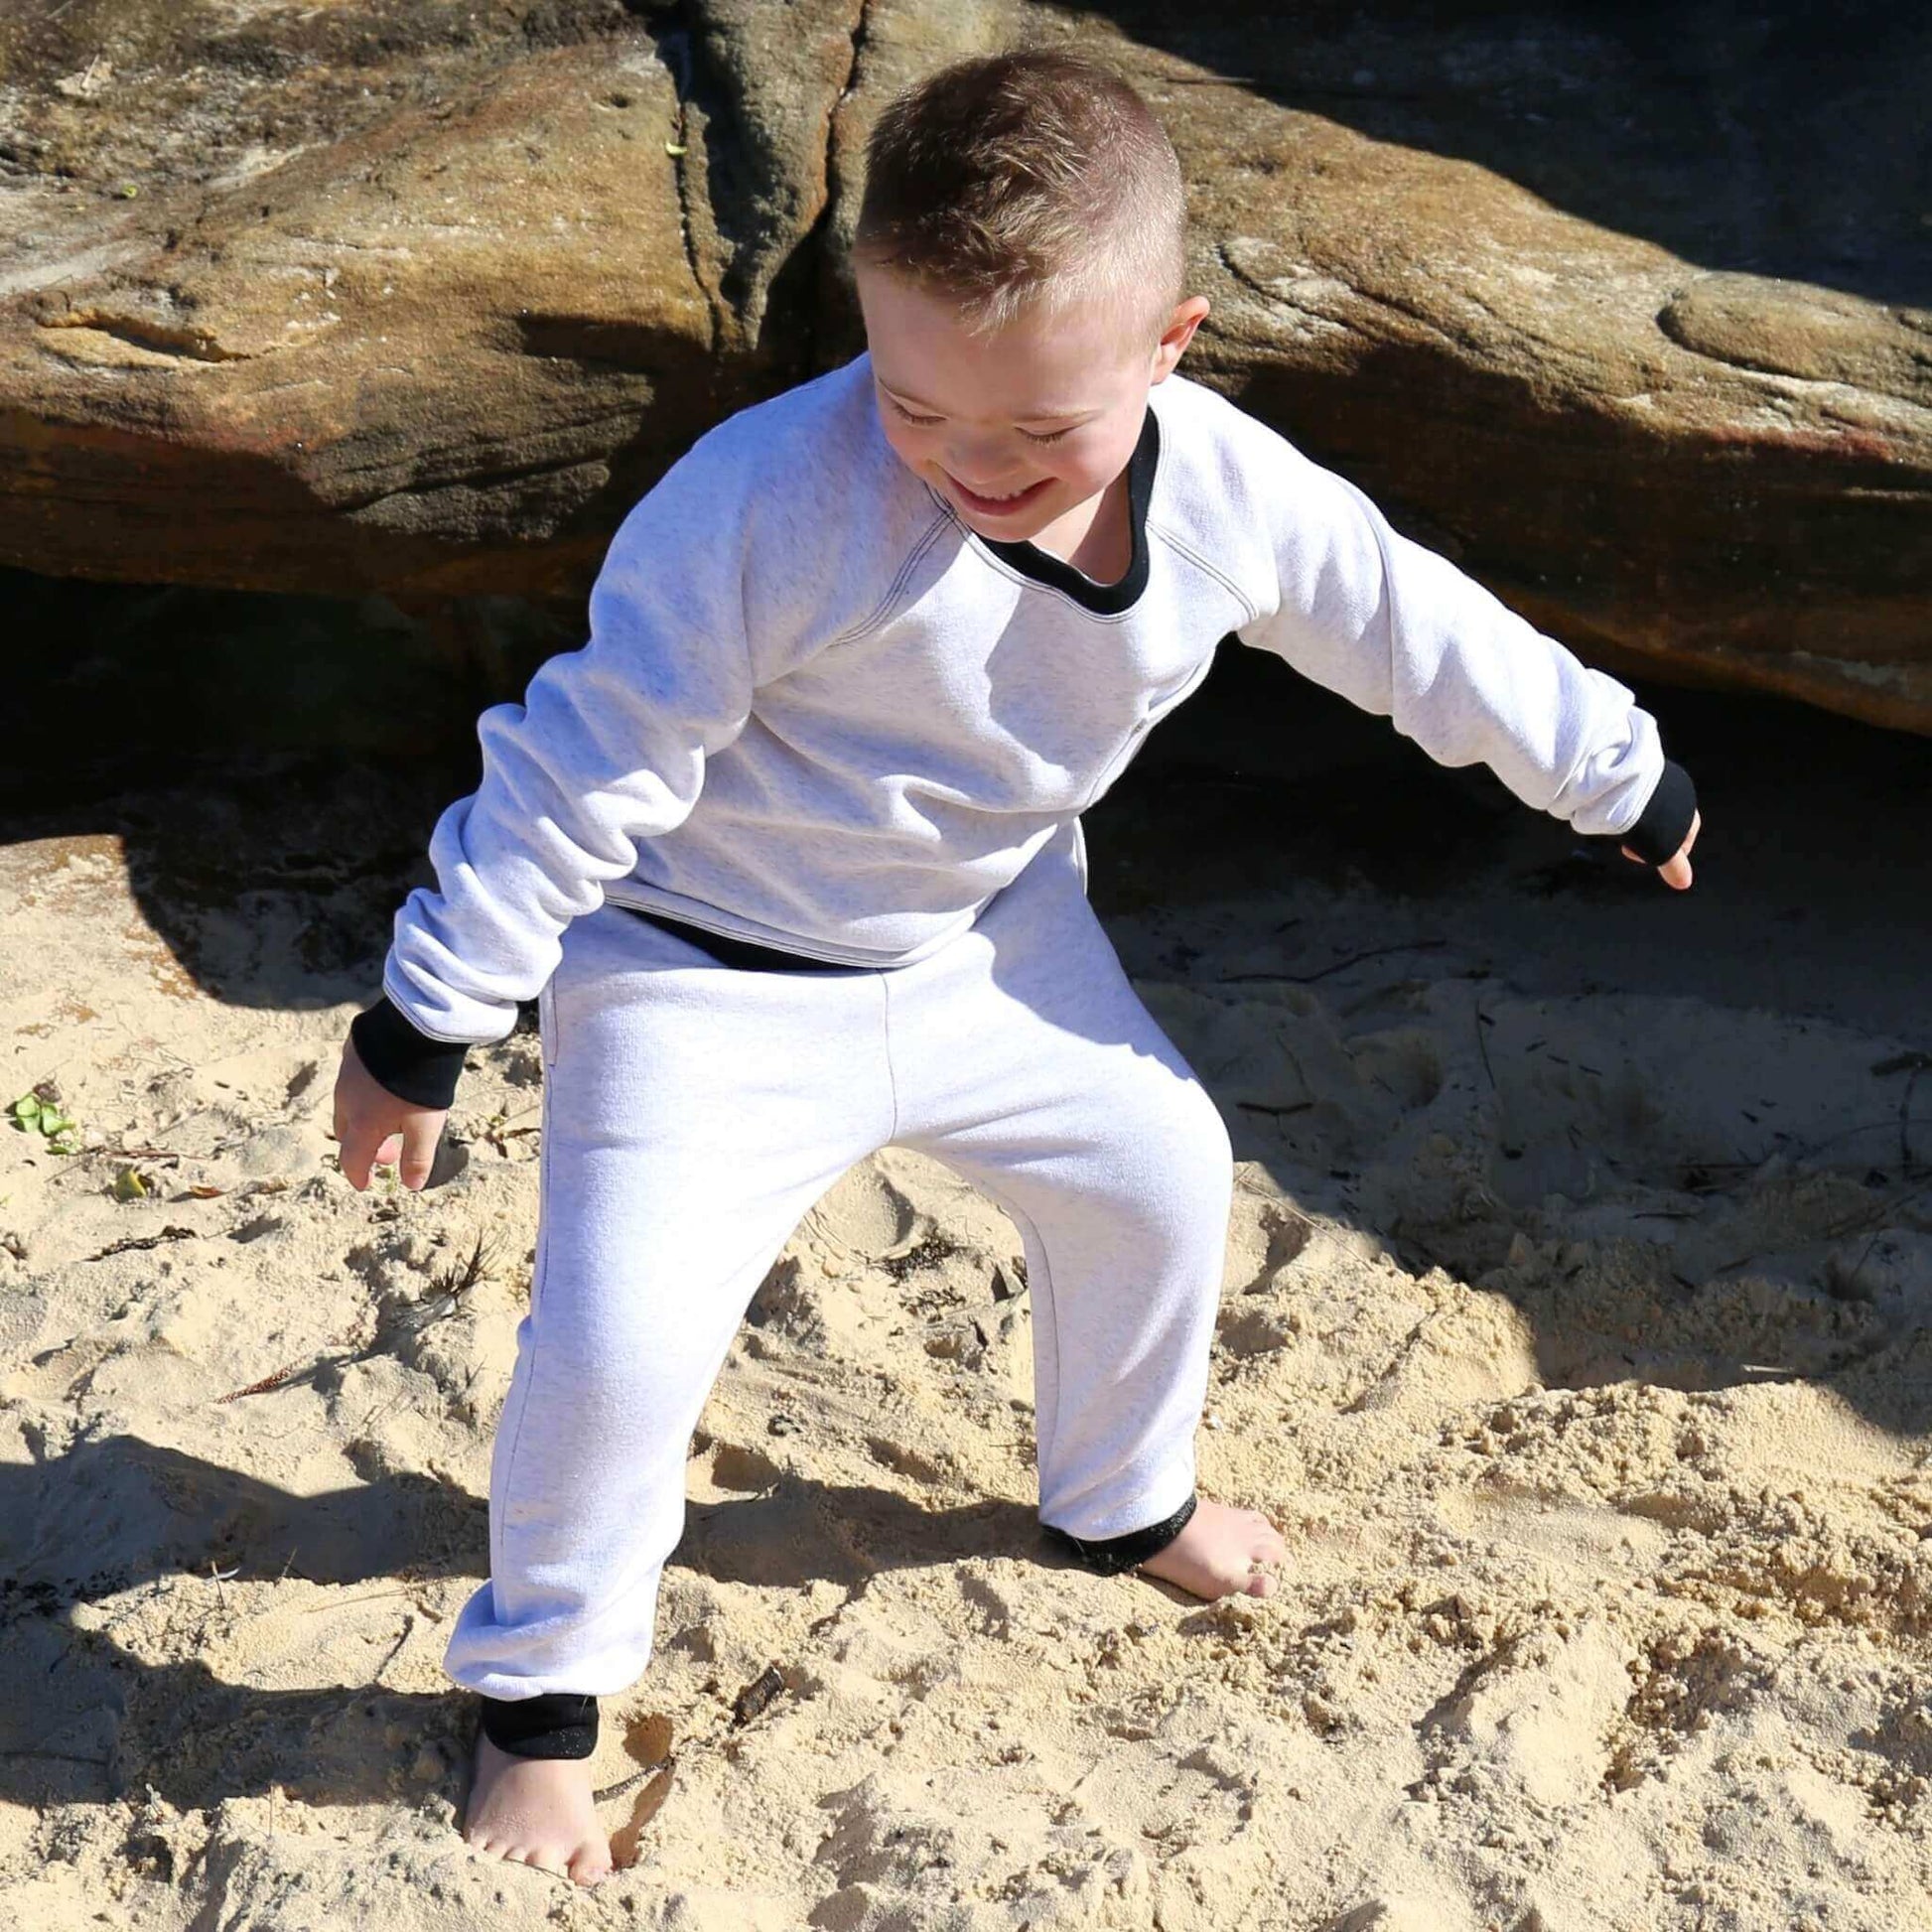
(537, 1811)
(1222, 1551)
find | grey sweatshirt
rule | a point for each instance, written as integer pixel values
(818, 713)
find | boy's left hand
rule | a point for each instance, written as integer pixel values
(1676, 871)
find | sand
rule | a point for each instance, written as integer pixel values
(1574, 1333)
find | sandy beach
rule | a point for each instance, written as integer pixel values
(1577, 1331)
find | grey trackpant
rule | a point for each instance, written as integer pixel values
(694, 1112)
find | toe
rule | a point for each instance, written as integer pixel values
(591, 1866)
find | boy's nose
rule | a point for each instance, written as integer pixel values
(981, 466)
(984, 481)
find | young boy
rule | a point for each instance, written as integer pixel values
(790, 855)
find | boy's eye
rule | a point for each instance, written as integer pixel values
(927, 422)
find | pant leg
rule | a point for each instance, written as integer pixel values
(691, 1114)
(1023, 1059)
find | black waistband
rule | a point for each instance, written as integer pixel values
(741, 952)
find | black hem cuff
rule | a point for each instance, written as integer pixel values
(553, 1723)
(404, 1059)
(1665, 823)
(1111, 1555)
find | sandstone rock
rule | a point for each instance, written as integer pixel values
(413, 297)
(1628, 317)
(1677, 467)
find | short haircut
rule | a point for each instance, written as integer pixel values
(1022, 178)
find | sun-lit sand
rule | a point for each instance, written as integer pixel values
(1573, 1333)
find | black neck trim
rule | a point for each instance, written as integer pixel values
(1104, 600)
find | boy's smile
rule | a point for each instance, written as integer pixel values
(1009, 504)
(1022, 429)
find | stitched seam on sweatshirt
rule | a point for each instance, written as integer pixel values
(890, 599)
(1027, 583)
(1207, 569)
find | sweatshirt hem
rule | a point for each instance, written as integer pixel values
(707, 920)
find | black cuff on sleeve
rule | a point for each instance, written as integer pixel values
(404, 1059)
(1665, 822)
(1112, 1554)
(553, 1723)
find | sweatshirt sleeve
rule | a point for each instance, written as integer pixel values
(609, 747)
(1400, 632)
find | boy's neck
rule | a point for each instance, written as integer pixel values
(1096, 538)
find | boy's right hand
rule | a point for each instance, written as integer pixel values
(1676, 870)
(373, 1126)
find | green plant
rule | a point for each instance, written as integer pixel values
(33, 1113)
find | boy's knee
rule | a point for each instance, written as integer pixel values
(1171, 1154)
(1194, 1137)
(1217, 1148)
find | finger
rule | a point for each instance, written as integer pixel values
(1675, 871)
(419, 1137)
(339, 1113)
(352, 1155)
(390, 1152)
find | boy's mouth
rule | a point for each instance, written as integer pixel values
(997, 505)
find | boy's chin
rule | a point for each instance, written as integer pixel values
(1007, 529)
(1013, 526)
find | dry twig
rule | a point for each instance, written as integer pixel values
(146, 1241)
(447, 1290)
(1338, 966)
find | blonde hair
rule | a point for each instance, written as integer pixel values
(1028, 178)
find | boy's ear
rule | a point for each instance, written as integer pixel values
(1187, 318)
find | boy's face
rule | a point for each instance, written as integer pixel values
(1017, 427)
